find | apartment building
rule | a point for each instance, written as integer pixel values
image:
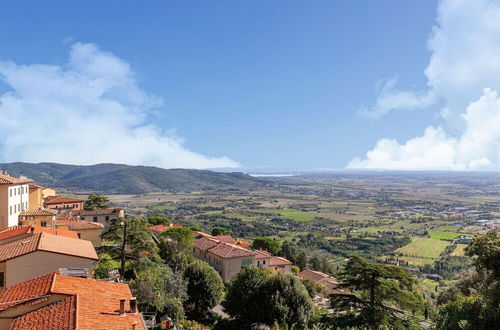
(14, 199)
(63, 203)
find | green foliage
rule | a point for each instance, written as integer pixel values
(255, 296)
(463, 313)
(204, 288)
(175, 246)
(380, 294)
(313, 289)
(268, 244)
(486, 249)
(96, 201)
(104, 265)
(321, 264)
(158, 220)
(217, 231)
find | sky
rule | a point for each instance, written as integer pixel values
(249, 84)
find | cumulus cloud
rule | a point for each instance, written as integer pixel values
(464, 65)
(477, 148)
(89, 110)
(464, 47)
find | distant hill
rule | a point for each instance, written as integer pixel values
(126, 179)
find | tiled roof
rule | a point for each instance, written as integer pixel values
(13, 231)
(59, 315)
(261, 254)
(91, 304)
(82, 224)
(7, 179)
(205, 243)
(106, 211)
(23, 291)
(227, 250)
(38, 213)
(35, 186)
(161, 228)
(315, 276)
(55, 231)
(49, 243)
(226, 239)
(279, 261)
(61, 199)
(242, 243)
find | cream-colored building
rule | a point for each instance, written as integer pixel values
(87, 230)
(42, 218)
(36, 197)
(24, 258)
(14, 199)
(102, 216)
(222, 253)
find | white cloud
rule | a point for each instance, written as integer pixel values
(464, 65)
(464, 48)
(477, 148)
(88, 111)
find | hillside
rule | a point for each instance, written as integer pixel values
(126, 179)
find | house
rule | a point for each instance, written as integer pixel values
(14, 198)
(58, 300)
(36, 197)
(222, 253)
(328, 281)
(60, 203)
(163, 227)
(87, 230)
(43, 218)
(17, 232)
(465, 239)
(102, 216)
(24, 257)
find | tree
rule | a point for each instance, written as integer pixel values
(244, 299)
(217, 231)
(379, 295)
(269, 244)
(96, 201)
(204, 288)
(285, 300)
(158, 220)
(301, 261)
(175, 246)
(473, 302)
(132, 240)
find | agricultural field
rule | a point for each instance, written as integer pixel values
(421, 247)
(459, 250)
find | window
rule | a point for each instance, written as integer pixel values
(79, 235)
(95, 219)
(2, 279)
(107, 218)
(263, 262)
(10, 192)
(11, 210)
(246, 262)
(43, 223)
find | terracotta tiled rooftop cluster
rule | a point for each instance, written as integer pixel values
(61, 199)
(213, 244)
(7, 179)
(161, 228)
(56, 301)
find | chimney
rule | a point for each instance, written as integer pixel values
(133, 305)
(122, 307)
(134, 326)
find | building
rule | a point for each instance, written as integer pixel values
(48, 192)
(14, 198)
(163, 227)
(329, 282)
(24, 257)
(42, 218)
(227, 257)
(102, 216)
(87, 230)
(58, 300)
(36, 197)
(61, 203)
(17, 232)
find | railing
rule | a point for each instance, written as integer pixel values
(149, 319)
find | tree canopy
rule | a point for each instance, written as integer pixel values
(96, 201)
(268, 244)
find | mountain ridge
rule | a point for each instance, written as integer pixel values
(109, 178)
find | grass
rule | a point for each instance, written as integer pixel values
(291, 214)
(443, 235)
(417, 261)
(459, 250)
(423, 248)
(452, 229)
(299, 217)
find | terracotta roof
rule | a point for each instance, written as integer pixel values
(35, 186)
(49, 243)
(13, 231)
(279, 261)
(225, 238)
(109, 210)
(7, 179)
(91, 304)
(55, 231)
(59, 315)
(205, 243)
(61, 199)
(244, 244)
(24, 291)
(315, 276)
(82, 224)
(38, 213)
(227, 250)
(261, 254)
(161, 228)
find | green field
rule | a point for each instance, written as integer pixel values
(443, 235)
(417, 261)
(423, 248)
(164, 207)
(459, 250)
(452, 229)
(291, 214)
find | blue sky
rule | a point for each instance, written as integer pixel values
(261, 83)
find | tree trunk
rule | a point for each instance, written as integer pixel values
(124, 244)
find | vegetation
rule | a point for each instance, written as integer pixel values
(96, 201)
(268, 244)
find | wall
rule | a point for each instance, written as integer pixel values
(35, 198)
(39, 263)
(20, 200)
(93, 235)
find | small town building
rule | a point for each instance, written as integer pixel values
(163, 227)
(61, 203)
(87, 230)
(25, 257)
(102, 216)
(61, 300)
(14, 199)
(326, 280)
(42, 218)
(36, 197)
